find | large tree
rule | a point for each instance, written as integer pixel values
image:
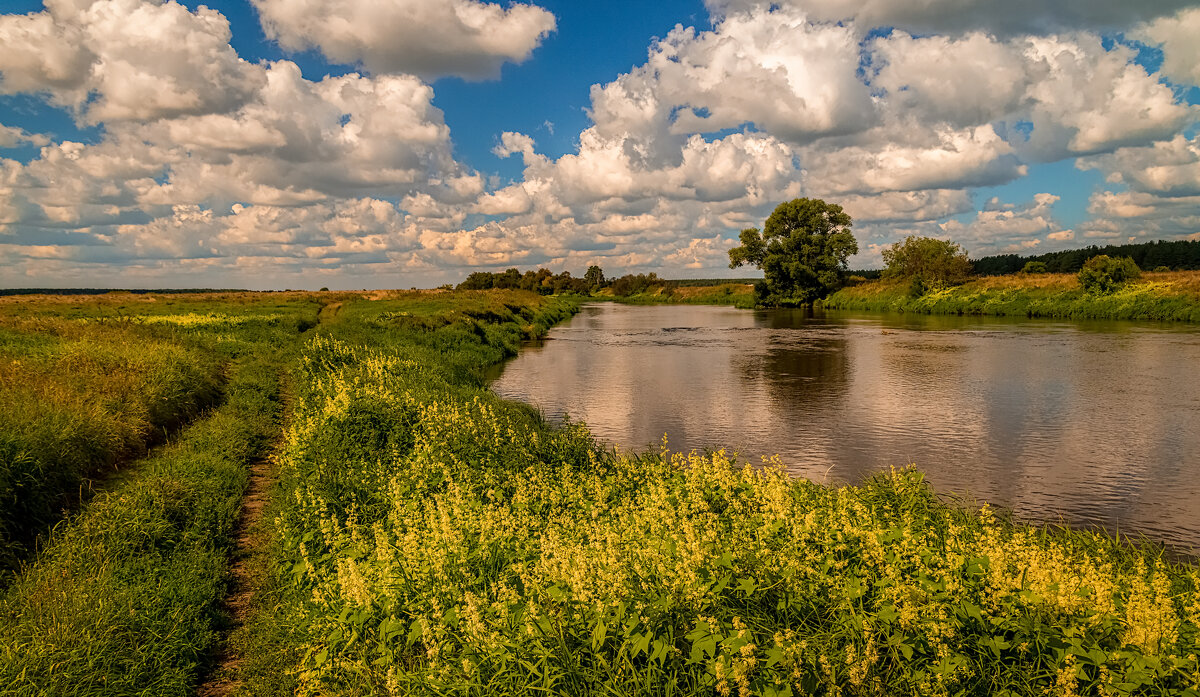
(802, 251)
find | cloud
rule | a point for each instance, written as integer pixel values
(963, 81)
(1094, 100)
(1177, 37)
(1004, 227)
(430, 38)
(789, 77)
(952, 16)
(1165, 169)
(11, 137)
(114, 60)
(1141, 214)
(911, 158)
(1076, 96)
(907, 206)
(208, 166)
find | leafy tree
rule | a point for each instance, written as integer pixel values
(1104, 274)
(631, 284)
(594, 277)
(1034, 267)
(927, 263)
(479, 280)
(802, 251)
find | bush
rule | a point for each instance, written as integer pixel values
(1105, 274)
(927, 263)
(1161, 269)
(1034, 267)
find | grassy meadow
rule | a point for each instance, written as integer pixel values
(1170, 295)
(424, 537)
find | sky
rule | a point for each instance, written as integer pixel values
(349, 144)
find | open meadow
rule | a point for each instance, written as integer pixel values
(422, 536)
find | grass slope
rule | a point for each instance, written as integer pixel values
(1157, 296)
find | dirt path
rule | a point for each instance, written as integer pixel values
(221, 678)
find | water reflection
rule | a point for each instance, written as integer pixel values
(1092, 423)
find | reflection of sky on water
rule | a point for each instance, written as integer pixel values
(1096, 423)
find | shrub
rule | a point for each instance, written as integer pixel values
(1105, 274)
(1034, 267)
(928, 263)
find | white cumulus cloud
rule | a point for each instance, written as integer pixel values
(429, 38)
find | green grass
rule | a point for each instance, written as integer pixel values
(1172, 296)
(76, 404)
(124, 599)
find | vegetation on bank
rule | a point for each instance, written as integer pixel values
(735, 294)
(1155, 296)
(430, 538)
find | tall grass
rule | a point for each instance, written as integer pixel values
(429, 538)
(76, 402)
(124, 600)
(1171, 296)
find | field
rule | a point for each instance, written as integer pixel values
(422, 536)
(1173, 295)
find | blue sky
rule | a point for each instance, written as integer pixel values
(408, 142)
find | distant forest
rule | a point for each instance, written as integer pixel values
(1177, 256)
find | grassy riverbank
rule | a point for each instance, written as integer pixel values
(426, 537)
(735, 294)
(430, 538)
(1156, 296)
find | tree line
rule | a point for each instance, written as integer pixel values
(546, 282)
(1179, 255)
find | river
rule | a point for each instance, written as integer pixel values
(1086, 423)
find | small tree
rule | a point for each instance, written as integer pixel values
(1104, 274)
(802, 251)
(927, 263)
(1034, 267)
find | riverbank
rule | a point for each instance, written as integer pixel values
(734, 294)
(1164, 296)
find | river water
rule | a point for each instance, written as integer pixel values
(1087, 423)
